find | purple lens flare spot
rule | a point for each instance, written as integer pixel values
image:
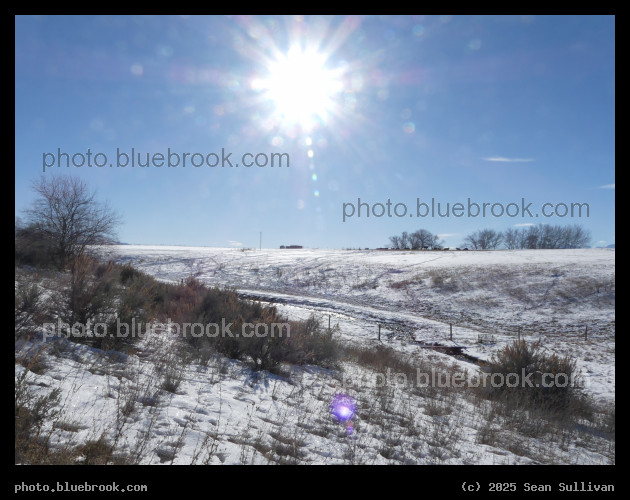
(344, 408)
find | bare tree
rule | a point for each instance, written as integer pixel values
(404, 241)
(436, 243)
(416, 241)
(575, 237)
(545, 236)
(531, 237)
(484, 239)
(511, 238)
(395, 242)
(421, 239)
(68, 218)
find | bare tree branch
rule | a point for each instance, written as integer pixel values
(67, 215)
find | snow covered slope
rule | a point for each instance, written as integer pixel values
(487, 296)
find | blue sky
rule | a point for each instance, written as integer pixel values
(495, 109)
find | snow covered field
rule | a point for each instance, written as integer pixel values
(551, 295)
(221, 412)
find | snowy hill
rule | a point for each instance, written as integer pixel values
(155, 409)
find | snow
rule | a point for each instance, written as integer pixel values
(222, 413)
(551, 295)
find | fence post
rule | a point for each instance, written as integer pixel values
(379, 332)
(586, 333)
(519, 333)
(451, 327)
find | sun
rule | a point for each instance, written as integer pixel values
(301, 89)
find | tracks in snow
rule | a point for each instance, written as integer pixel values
(413, 329)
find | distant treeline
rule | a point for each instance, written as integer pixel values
(542, 236)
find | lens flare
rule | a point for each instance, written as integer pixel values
(344, 408)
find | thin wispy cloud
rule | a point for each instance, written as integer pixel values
(607, 186)
(524, 224)
(235, 243)
(508, 160)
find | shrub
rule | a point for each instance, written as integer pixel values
(381, 358)
(556, 394)
(83, 296)
(105, 293)
(301, 342)
(87, 297)
(29, 309)
(108, 294)
(96, 452)
(310, 343)
(138, 301)
(31, 413)
(32, 248)
(128, 272)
